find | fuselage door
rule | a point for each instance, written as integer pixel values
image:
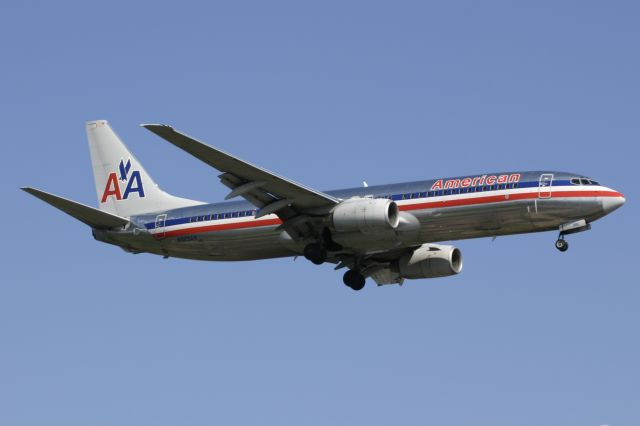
(544, 189)
(160, 222)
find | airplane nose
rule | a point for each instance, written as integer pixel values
(610, 204)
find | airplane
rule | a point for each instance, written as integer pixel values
(388, 233)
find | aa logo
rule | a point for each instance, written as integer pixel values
(133, 183)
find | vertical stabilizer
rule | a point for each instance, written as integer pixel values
(123, 186)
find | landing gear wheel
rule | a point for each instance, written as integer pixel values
(354, 279)
(315, 253)
(562, 245)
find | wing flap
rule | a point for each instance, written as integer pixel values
(93, 217)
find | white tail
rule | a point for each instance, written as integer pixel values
(123, 186)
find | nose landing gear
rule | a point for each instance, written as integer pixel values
(562, 244)
(570, 228)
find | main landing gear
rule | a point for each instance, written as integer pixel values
(315, 253)
(354, 279)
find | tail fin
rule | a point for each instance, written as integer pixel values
(123, 186)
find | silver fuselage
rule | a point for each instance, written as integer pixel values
(538, 201)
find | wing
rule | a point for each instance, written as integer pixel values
(295, 204)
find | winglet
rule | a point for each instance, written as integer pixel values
(93, 217)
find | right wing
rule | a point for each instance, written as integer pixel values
(243, 177)
(298, 206)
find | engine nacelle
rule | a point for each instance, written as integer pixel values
(365, 215)
(430, 261)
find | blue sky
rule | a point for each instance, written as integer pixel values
(329, 94)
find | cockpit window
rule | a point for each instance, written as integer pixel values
(583, 181)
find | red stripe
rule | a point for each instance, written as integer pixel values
(223, 227)
(417, 206)
(503, 198)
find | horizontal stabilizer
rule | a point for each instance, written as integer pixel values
(92, 217)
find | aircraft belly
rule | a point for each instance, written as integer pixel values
(454, 223)
(552, 212)
(239, 244)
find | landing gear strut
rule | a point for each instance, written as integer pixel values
(315, 253)
(570, 228)
(354, 279)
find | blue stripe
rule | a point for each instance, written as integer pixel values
(395, 197)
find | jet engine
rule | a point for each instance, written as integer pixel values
(366, 215)
(430, 261)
